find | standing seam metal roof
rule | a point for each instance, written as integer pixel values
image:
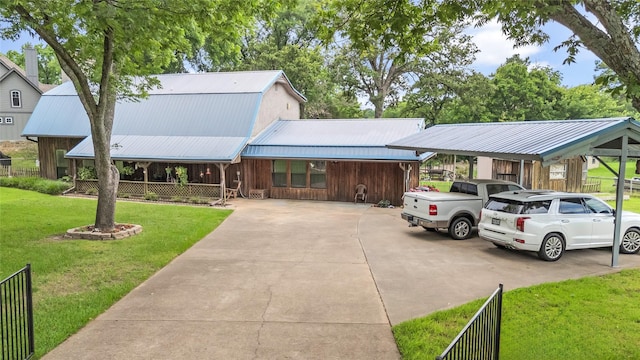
(363, 139)
(525, 139)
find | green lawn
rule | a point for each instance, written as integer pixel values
(589, 318)
(76, 280)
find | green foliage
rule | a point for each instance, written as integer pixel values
(381, 43)
(51, 187)
(590, 318)
(91, 191)
(151, 196)
(181, 174)
(76, 280)
(87, 173)
(613, 40)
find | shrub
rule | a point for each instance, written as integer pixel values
(45, 186)
(151, 196)
(124, 195)
(91, 191)
(87, 173)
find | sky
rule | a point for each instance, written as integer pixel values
(494, 47)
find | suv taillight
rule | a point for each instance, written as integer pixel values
(433, 209)
(520, 223)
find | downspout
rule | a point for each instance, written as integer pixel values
(28, 138)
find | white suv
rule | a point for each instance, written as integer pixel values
(551, 222)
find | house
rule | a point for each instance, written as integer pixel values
(20, 91)
(224, 130)
(327, 159)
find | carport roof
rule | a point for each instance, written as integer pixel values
(548, 141)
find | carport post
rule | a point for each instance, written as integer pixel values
(521, 180)
(615, 251)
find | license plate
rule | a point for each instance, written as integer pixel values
(495, 221)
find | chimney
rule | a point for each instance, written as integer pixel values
(31, 64)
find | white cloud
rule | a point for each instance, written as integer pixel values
(494, 46)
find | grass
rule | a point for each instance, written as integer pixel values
(76, 280)
(589, 318)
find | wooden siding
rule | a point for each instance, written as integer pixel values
(572, 181)
(510, 170)
(384, 181)
(538, 177)
(47, 147)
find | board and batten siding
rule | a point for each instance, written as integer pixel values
(384, 181)
(47, 147)
(571, 182)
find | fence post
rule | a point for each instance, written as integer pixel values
(32, 346)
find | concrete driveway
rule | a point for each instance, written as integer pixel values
(308, 280)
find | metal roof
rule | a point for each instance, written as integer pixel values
(160, 115)
(237, 82)
(353, 139)
(548, 141)
(166, 148)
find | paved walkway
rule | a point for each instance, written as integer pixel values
(308, 280)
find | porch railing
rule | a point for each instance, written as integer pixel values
(16, 316)
(480, 338)
(162, 189)
(9, 171)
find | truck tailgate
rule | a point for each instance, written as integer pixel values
(417, 203)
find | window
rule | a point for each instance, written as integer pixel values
(598, 207)
(572, 206)
(318, 171)
(62, 164)
(279, 173)
(558, 172)
(16, 98)
(299, 174)
(8, 120)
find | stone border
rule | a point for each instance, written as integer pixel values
(97, 235)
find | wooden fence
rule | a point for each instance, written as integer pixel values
(9, 171)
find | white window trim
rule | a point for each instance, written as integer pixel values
(8, 120)
(19, 98)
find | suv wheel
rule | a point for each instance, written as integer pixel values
(552, 247)
(630, 243)
(460, 228)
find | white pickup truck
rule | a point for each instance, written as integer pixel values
(458, 210)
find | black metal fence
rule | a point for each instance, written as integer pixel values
(16, 316)
(480, 338)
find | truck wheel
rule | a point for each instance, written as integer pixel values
(460, 228)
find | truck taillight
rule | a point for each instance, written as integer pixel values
(520, 223)
(433, 209)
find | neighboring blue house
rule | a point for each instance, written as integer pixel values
(225, 129)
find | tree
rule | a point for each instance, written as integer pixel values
(590, 102)
(108, 48)
(609, 29)
(523, 92)
(48, 68)
(441, 75)
(382, 40)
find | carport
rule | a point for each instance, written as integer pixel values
(547, 141)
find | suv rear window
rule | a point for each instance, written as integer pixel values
(518, 207)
